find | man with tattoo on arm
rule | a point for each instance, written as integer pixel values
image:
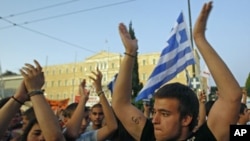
(176, 106)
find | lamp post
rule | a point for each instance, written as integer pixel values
(191, 35)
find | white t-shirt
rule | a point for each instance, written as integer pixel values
(88, 136)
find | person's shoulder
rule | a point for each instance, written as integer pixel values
(88, 136)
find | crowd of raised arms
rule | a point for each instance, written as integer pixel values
(177, 114)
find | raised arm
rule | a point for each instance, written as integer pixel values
(132, 118)
(228, 104)
(74, 123)
(10, 108)
(202, 109)
(48, 122)
(111, 124)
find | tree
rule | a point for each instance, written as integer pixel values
(247, 85)
(136, 84)
(8, 73)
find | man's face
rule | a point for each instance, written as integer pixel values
(166, 119)
(16, 119)
(35, 134)
(96, 116)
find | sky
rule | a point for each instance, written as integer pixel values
(64, 31)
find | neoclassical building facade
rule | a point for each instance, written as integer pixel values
(62, 80)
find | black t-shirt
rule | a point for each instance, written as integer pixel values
(148, 132)
(202, 134)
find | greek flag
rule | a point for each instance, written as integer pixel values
(175, 57)
(112, 83)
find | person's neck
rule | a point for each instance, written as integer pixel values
(184, 134)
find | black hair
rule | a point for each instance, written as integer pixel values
(69, 110)
(28, 128)
(243, 106)
(29, 113)
(97, 105)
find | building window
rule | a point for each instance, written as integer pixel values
(59, 82)
(67, 70)
(101, 66)
(112, 65)
(65, 83)
(143, 62)
(105, 65)
(154, 61)
(52, 83)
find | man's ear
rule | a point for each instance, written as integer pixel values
(187, 120)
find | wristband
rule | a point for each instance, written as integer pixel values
(35, 92)
(130, 55)
(18, 101)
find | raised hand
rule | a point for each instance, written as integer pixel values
(83, 91)
(129, 44)
(97, 80)
(200, 25)
(33, 76)
(202, 97)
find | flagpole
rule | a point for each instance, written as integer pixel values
(191, 34)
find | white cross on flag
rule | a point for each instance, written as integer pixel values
(195, 83)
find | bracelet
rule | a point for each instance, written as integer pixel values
(35, 92)
(100, 93)
(130, 55)
(18, 101)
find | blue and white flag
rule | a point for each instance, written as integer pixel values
(112, 83)
(175, 57)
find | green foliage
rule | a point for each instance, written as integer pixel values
(136, 84)
(247, 85)
(131, 31)
(9, 73)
